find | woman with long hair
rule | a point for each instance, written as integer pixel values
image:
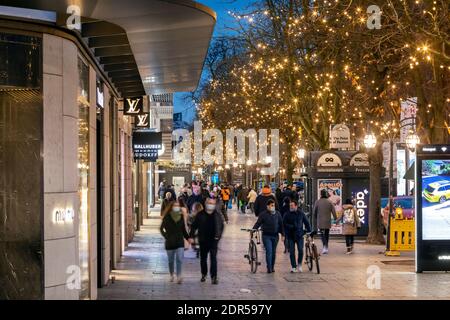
(173, 229)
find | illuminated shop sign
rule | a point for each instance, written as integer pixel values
(142, 121)
(329, 160)
(133, 106)
(147, 145)
(63, 215)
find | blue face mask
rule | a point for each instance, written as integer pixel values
(272, 210)
(292, 209)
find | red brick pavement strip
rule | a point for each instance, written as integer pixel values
(143, 273)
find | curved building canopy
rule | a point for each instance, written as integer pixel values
(145, 46)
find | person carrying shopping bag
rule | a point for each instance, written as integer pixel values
(173, 229)
(350, 224)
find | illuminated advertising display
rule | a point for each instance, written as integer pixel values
(433, 208)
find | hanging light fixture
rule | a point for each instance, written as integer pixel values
(370, 141)
(412, 140)
(301, 153)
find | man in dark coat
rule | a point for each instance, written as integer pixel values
(261, 200)
(210, 225)
(294, 222)
(271, 224)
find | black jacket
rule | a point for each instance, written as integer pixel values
(193, 199)
(201, 224)
(271, 224)
(173, 232)
(294, 223)
(261, 203)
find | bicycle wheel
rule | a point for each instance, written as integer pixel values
(308, 257)
(253, 257)
(316, 257)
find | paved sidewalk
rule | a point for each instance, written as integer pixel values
(142, 273)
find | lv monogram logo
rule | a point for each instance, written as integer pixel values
(142, 120)
(133, 106)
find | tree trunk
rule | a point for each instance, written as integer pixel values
(289, 163)
(375, 221)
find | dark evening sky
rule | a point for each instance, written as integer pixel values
(221, 7)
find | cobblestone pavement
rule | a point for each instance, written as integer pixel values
(142, 272)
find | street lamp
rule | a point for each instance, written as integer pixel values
(412, 140)
(301, 153)
(235, 164)
(370, 141)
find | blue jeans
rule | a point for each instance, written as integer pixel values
(299, 242)
(179, 255)
(270, 243)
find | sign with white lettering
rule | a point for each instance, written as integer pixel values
(329, 160)
(361, 197)
(133, 106)
(63, 215)
(340, 137)
(146, 145)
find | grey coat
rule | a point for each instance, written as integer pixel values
(323, 209)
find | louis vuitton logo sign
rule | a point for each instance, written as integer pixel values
(133, 106)
(142, 121)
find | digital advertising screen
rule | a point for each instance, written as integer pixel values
(436, 199)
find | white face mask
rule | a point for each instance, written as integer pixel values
(210, 208)
(176, 209)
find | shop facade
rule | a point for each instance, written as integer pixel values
(69, 186)
(56, 187)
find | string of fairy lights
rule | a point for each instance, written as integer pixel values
(307, 70)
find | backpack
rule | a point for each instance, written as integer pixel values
(349, 216)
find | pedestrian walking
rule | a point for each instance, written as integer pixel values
(322, 212)
(167, 199)
(161, 191)
(252, 195)
(225, 194)
(210, 225)
(173, 229)
(196, 196)
(271, 223)
(350, 224)
(295, 223)
(262, 199)
(242, 198)
(196, 208)
(284, 209)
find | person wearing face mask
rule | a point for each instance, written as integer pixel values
(173, 229)
(294, 222)
(210, 225)
(196, 197)
(271, 224)
(167, 200)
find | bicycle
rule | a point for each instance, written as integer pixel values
(252, 255)
(311, 253)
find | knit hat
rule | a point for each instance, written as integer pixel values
(266, 191)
